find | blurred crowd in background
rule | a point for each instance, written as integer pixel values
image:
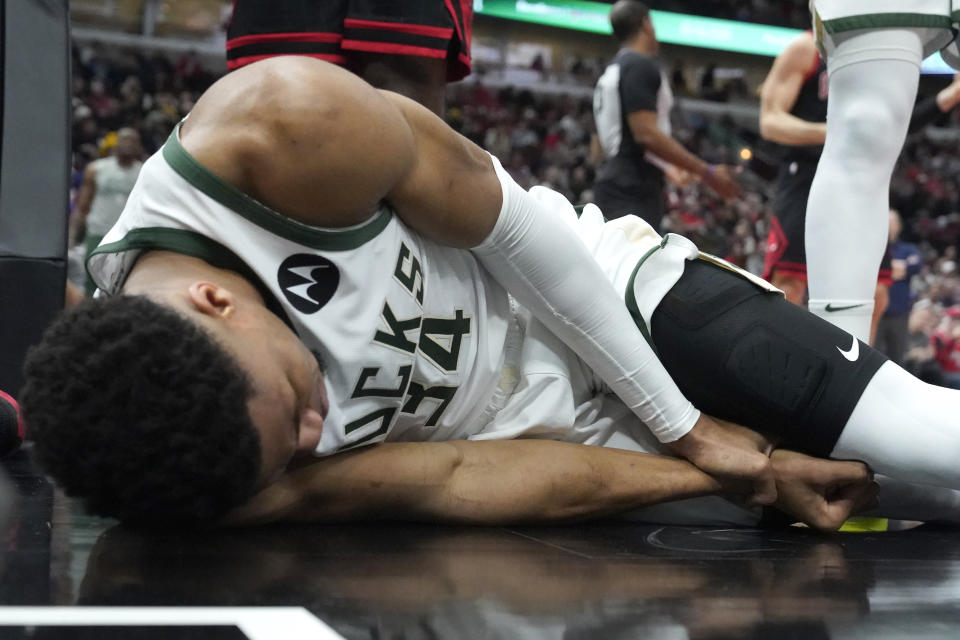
(545, 138)
(782, 13)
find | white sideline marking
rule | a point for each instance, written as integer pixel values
(259, 623)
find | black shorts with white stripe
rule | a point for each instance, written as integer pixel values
(332, 30)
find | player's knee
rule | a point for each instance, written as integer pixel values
(870, 130)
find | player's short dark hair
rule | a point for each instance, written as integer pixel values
(627, 18)
(141, 413)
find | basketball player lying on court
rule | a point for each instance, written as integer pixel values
(185, 393)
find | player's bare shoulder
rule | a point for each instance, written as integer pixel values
(802, 50)
(302, 136)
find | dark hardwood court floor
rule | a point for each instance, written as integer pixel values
(399, 581)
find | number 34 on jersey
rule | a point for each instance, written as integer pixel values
(428, 339)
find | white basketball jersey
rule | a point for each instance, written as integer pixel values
(114, 184)
(412, 332)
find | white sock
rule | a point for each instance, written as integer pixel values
(872, 90)
(906, 429)
(853, 316)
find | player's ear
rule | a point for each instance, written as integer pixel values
(648, 26)
(311, 429)
(211, 299)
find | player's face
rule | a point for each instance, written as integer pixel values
(128, 143)
(289, 400)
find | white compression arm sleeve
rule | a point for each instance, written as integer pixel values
(540, 260)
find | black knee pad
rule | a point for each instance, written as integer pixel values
(780, 372)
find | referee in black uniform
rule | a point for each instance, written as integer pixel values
(631, 105)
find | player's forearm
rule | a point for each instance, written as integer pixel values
(487, 482)
(501, 482)
(77, 226)
(929, 109)
(596, 150)
(82, 210)
(949, 97)
(786, 128)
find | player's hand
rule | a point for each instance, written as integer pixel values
(722, 179)
(678, 176)
(821, 493)
(736, 456)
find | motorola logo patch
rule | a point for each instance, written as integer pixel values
(308, 281)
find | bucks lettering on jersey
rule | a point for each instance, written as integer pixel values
(413, 350)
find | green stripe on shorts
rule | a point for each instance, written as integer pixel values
(887, 21)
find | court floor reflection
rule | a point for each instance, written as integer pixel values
(388, 580)
(595, 581)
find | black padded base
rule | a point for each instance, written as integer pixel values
(31, 294)
(11, 434)
(746, 355)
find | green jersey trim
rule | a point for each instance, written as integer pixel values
(631, 299)
(195, 245)
(887, 20)
(259, 214)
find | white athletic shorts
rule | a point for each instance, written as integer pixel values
(932, 20)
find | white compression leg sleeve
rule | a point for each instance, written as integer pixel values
(540, 260)
(906, 429)
(908, 501)
(873, 85)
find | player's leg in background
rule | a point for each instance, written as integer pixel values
(785, 259)
(873, 84)
(794, 288)
(784, 263)
(881, 298)
(892, 336)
